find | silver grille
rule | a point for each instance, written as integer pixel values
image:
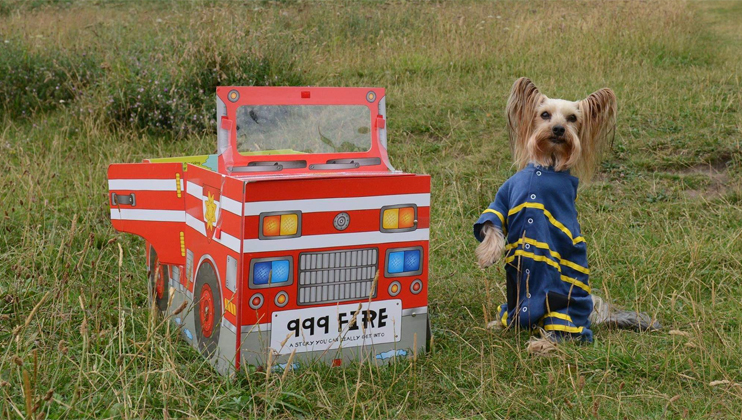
(335, 276)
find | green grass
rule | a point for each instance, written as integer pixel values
(663, 219)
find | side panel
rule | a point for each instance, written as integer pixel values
(213, 231)
(147, 199)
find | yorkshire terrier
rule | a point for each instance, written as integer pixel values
(533, 220)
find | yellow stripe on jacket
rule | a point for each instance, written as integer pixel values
(549, 216)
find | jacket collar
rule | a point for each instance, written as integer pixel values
(547, 168)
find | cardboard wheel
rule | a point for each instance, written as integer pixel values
(159, 275)
(208, 307)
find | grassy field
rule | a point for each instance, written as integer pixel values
(86, 84)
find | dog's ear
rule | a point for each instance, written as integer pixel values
(596, 128)
(521, 109)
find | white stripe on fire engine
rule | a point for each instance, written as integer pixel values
(148, 215)
(333, 240)
(232, 206)
(337, 204)
(194, 189)
(227, 240)
(197, 191)
(142, 184)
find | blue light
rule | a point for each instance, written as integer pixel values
(261, 272)
(412, 260)
(280, 271)
(396, 262)
(275, 271)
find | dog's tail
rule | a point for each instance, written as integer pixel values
(612, 316)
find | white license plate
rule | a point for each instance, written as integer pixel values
(330, 327)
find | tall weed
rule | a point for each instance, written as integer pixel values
(161, 93)
(41, 80)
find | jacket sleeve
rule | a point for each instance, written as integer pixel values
(496, 213)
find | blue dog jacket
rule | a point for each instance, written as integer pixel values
(546, 256)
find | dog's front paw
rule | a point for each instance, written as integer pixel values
(495, 325)
(484, 261)
(490, 250)
(543, 346)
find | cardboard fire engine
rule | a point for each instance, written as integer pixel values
(296, 241)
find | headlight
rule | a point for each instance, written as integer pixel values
(404, 262)
(274, 225)
(416, 286)
(268, 272)
(282, 298)
(400, 218)
(394, 288)
(256, 301)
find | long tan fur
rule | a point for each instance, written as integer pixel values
(521, 110)
(596, 124)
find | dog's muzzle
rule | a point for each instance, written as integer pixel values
(557, 140)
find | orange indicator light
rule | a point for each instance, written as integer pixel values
(406, 217)
(271, 225)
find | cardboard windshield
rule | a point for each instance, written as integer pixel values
(301, 129)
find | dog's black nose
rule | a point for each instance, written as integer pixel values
(558, 130)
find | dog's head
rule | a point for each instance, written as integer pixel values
(559, 133)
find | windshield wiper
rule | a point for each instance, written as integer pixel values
(286, 164)
(324, 166)
(274, 167)
(347, 163)
(359, 161)
(269, 166)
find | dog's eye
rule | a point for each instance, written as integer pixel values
(572, 118)
(545, 115)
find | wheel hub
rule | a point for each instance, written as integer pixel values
(159, 281)
(207, 310)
